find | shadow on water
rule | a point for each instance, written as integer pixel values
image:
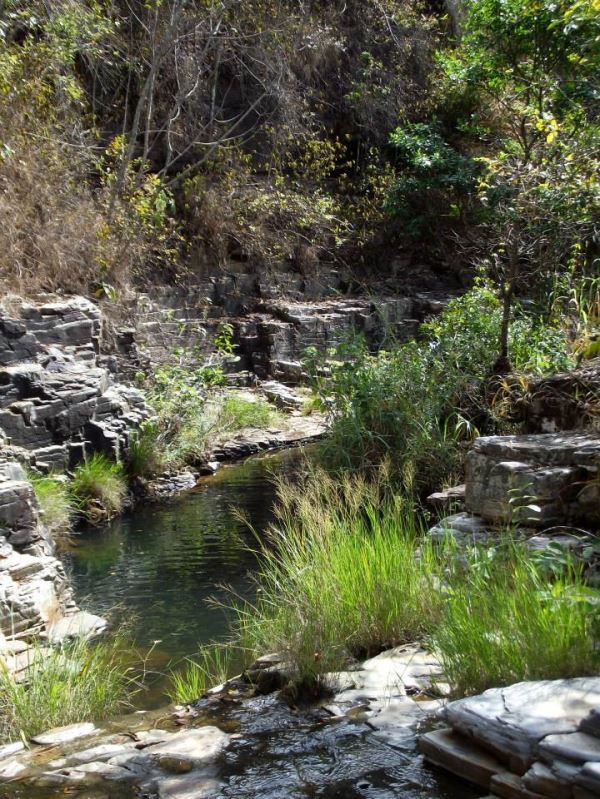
(157, 569)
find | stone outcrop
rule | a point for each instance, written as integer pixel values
(153, 762)
(532, 740)
(565, 401)
(539, 479)
(35, 596)
(56, 402)
(57, 406)
(271, 333)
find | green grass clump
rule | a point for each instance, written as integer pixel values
(77, 682)
(339, 578)
(506, 619)
(100, 487)
(146, 457)
(239, 413)
(347, 572)
(210, 667)
(56, 503)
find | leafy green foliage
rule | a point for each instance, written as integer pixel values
(507, 620)
(56, 502)
(434, 178)
(237, 413)
(419, 403)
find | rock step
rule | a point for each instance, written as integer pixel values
(455, 753)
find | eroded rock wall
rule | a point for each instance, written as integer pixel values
(58, 405)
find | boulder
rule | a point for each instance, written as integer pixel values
(536, 479)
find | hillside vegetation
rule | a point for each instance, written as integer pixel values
(141, 140)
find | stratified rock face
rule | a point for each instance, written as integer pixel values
(57, 405)
(532, 739)
(55, 401)
(538, 479)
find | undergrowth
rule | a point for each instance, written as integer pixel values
(56, 502)
(211, 666)
(347, 572)
(420, 404)
(77, 682)
(507, 619)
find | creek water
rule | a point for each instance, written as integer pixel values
(167, 572)
(157, 570)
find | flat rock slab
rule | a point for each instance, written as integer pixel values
(77, 625)
(576, 746)
(511, 721)
(191, 786)
(62, 735)
(197, 747)
(458, 755)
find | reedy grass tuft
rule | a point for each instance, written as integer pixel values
(506, 619)
(56, 503)
(79, 681)
(100, 486)
(210, 667)
(347, 572)
(339, 578)
(238, 412)
(145, 457)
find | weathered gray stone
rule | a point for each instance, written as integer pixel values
(541, 779)
(460, 756)
(61, 735)
(512, 721)
(590, 777)
(537, 479)
(576, 746)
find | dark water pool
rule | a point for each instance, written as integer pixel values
(159, 569)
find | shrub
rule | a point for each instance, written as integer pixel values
(506, 619)
(346, 572)
(56, 503)
(100, 486)
(416, 404)
(145, 456)
(77, 682)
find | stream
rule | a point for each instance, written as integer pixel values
(156, 570)
(159, 570)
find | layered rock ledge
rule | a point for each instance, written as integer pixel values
(58, 405)
(532, 740)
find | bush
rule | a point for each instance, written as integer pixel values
(417, 404)
(508, 620)
(56, 503)
(100, 487)
(145, 456)
(346, 572)
(238, 413)
(77, 682)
